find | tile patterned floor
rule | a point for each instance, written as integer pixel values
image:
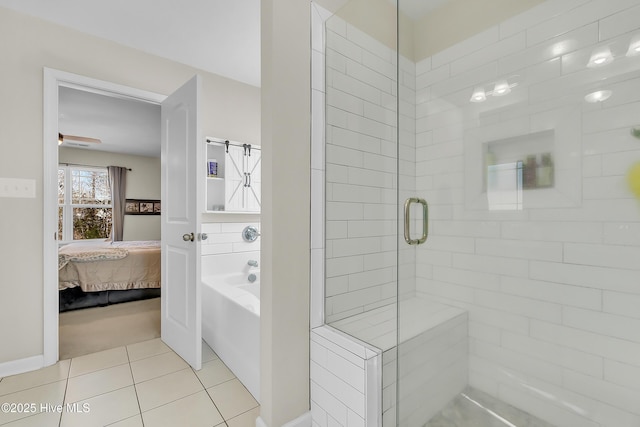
(140, 385)
(474, 408)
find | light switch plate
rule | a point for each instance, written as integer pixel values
(18, 188)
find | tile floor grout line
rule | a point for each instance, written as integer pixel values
(160, 376)
(135, 389)
(173, 401)
(31, 388)
(169, 350)
(98, 370)
(102, 394)
(210, 398)
(73, 361)
(248, 410)
(38, 385)
(66, 388)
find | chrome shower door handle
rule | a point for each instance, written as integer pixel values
(407, 221)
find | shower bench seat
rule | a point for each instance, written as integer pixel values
(432, 351)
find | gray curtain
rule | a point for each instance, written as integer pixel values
(117, 182)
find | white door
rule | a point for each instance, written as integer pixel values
(182, 151)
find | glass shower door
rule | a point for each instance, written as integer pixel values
(520, 125)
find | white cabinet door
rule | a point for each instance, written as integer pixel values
(254, 173)
(242, 178)
(234, 179)
(182, 152)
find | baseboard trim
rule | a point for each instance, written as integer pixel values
(20, 366)
(303, 420)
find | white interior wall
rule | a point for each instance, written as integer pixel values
(285, 217)
(229, 108)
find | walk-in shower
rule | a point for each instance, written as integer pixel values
(481, 188)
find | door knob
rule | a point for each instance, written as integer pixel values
(188, 237)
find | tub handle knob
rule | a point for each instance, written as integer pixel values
(250, 233)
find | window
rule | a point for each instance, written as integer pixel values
(84, 203)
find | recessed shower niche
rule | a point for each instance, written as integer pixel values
(515, 165)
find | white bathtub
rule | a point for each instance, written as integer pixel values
(231, 323)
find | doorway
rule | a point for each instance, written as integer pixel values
(53, 80)
(99, 131)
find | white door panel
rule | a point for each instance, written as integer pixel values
(181, 186)
(234, 179)
(254, 167)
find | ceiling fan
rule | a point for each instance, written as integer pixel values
(80, 141)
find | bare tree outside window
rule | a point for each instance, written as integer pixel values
(86, 211)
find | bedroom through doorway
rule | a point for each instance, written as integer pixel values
(108, 288)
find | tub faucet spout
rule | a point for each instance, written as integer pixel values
(253, 263)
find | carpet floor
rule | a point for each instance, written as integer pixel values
(100, 328)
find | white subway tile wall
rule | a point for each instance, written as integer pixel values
(226, 237)
(361, 170)
(552, 290)
(345, 380)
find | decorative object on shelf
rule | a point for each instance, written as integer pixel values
(142, 207)
(524, 162)
(544, 172)
(529, 172)
(212, 168)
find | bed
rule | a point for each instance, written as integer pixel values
(101, 273)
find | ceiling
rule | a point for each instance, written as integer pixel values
(417, 9)
(125, 126)
(219, 36)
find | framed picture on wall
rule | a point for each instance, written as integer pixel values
(131, 207)
(142, 207)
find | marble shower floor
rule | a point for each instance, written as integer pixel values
(473, 408)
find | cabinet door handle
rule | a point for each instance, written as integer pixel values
(248, 179)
